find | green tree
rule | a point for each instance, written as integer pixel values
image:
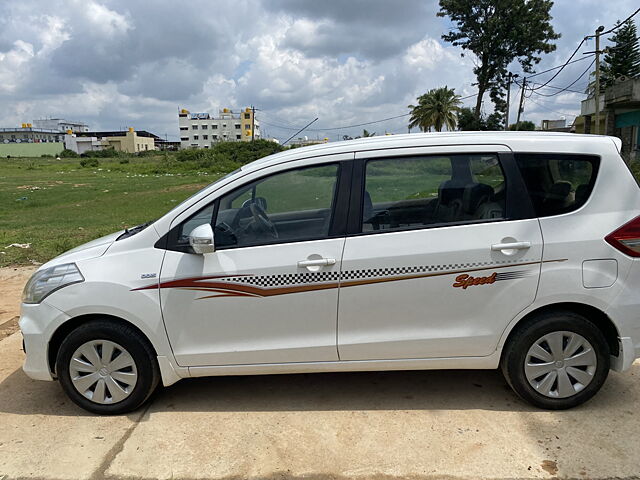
(467, 121)
(366, 133)
(437, 108)
(623, 58)
(523, 126)
(499, 32)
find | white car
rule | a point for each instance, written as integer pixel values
(487, 250)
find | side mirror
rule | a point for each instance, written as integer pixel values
(201, 239)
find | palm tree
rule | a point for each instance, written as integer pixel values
(437, 108)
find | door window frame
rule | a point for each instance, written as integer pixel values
(518, 204)
(339, 209)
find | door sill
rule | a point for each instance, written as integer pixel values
(453, 363)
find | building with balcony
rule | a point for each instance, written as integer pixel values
(202, 130)
(619, 115)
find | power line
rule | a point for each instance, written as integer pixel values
(568, 86)
(615, 27)
(560, 66)
(553, 111)
(345, 127)
(559, 88)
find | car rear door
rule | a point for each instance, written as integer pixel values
(443, 252)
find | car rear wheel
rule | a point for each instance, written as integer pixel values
(556, 360)
(107, 368)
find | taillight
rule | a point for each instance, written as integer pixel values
(627, 238)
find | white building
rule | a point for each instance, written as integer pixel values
(82, 145)
(61, 125)
(201, 130)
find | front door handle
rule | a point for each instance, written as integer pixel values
(510, 246)
(320, 262)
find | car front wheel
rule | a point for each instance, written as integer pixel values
(107, 368)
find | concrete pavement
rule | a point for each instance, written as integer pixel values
(448, 424)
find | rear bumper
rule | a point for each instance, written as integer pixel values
(37, 323)
(628, 353)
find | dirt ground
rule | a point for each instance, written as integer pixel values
(12, 280)
(430, 425)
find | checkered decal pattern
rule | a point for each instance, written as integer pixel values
(395, 271)
(286, 279)
(290, 279)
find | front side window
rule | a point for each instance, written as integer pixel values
(284, 207)
(418, 192)
(557, 183)
(290, 206)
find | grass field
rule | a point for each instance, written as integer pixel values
(54, 205)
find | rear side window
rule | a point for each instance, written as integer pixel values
(420, 192)
(557, 183)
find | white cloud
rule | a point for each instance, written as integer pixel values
(113, 63)
(107, 21)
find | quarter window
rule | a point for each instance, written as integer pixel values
(557, 183)
(418, 192)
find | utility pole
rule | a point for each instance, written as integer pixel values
(253, 122)
(521, 106)
(506, 117)
(597, 92)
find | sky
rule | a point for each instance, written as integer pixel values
(118, 63)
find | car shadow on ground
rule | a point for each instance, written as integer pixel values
(401, 390)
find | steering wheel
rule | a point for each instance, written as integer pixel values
(261, 220)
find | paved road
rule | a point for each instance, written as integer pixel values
(449, 424)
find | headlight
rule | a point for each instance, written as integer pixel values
(47, 281)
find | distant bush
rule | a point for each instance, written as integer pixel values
(46, 155)
(89, 162)
(149, 153)
(104, 153)
(66, 153)
(192, 154)
(124, 160)
(226, 156)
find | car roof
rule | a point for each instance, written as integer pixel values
(516, 140)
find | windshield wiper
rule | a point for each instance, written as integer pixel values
(129, 232)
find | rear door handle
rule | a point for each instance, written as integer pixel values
(320, 262)
(510, 246)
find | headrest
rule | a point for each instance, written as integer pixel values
(475, 194)
(367, 210)
(450, 190)
(559, 190)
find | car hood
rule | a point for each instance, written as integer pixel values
(92, 249)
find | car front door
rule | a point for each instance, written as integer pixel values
(268, 294)
(443, 253)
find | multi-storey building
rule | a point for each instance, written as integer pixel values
(61, 125)
(28, 134)
(201, 130)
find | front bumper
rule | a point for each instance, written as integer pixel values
(37, 323)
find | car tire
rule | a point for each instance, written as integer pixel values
(540, 366)
(115, 385)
